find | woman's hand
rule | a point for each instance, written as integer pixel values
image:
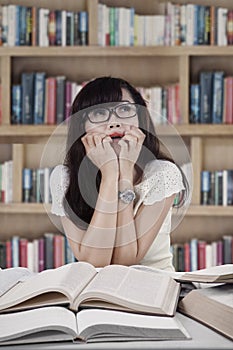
(131, 145)
(100, 152)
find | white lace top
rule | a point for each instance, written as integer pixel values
(160, 179)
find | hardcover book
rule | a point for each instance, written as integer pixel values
(80, 284)
(212, 306)
(57, 323)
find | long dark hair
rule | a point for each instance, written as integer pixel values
(82, 192)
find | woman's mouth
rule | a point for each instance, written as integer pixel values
(116, 136)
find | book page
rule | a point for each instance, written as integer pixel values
(215, 270)
(138, 290)
(15, 325)
(208, 274)
(69, 280)
(11, 276)
(134, 322)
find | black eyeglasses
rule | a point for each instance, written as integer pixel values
(102, 114)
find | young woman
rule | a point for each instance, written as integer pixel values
(115, 190)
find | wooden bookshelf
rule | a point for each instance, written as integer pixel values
(211, 146)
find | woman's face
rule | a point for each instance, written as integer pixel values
(115, 127)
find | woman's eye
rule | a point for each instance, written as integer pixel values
(98, 112)
(125, 109)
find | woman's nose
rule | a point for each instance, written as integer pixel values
(114, 122)
(114, 125)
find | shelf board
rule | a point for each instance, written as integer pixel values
(99, 51)
(210, 210)
(24, 208)
(197, 130)
(39, 208)
(30, 133)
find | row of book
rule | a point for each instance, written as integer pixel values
(186, 24)
(42, 100)
(36, 188)
(217, 187)
(47, 100)
(163, 103)
(200, 254)
(211, 100)
(32, 26)
(49, 251)
(52, 250)
(6, 182)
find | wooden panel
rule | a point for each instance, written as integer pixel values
(184, 88)
(18, 158)
(209, 229)
(145, 71)
(6, 89)
(30, 226)
(197, 162)
(217, 153)
(209, 63)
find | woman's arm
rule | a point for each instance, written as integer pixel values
(143, 230)
(135, 235)
(96, 244)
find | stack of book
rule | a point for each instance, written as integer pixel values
(80, 303)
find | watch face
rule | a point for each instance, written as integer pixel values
(127, 196)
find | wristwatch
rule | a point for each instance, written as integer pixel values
(127, 196)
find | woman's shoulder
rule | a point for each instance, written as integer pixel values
(160, 166)
(59, 175)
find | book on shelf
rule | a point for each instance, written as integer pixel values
(212, 306)
(56, 323)
(80, 284)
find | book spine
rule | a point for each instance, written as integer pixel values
(41, 255)
(194, 104)
(27, 184)
(205, 187)
(217, 110)
(51, 101)
(60, 99)
(15, 251)
(205, 97)
(3, 255)
(227, 243)
(16, 112)
(23, 252)
(49, 250)
(83, 27)
(39, 98)
(27, 97)
(8, 254)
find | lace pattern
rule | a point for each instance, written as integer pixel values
(59, 181)
(161, 179)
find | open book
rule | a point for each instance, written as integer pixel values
(79, 284)
(213, 274)
(212, 306)
(56, 323)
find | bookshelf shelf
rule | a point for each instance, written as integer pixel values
(210, 210)
(24, 208)
(98, 51)
(25, 133)
(39, 208)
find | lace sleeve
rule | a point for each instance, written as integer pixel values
(59, 182)
(161, 180)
